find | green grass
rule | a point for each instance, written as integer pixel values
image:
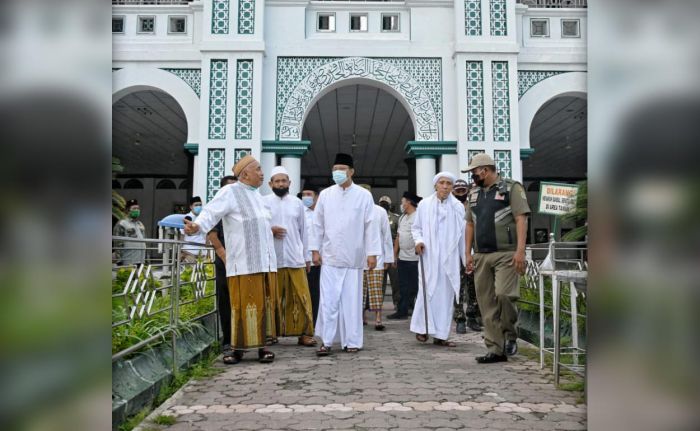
(165, 420)
(200, 370)
(133, 421)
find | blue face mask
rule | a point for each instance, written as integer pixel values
(308, 201)
(340, 177)
(196, 210)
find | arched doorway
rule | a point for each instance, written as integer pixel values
(369, 123)
(149, 131)
(558, 135)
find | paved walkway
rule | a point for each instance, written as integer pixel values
(394, 383)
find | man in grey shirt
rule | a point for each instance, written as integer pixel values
(405, 255)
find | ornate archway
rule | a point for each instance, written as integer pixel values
(374, 72)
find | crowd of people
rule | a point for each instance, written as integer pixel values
(313, 265)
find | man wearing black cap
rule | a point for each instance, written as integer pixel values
(344, 239)
(130, 252)
(405, 255)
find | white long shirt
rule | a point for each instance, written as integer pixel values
(344, 228)
(288, 212)
(381, 218)
(200, 237)
(309, 223)
(247, 231)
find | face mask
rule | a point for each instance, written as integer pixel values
(308, 201)
(477, 180)
(340, 177)
(196, 210)
(134, 213)
(280, 192)
(461, 198)
(403, 210)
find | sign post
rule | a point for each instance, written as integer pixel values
(557, 199)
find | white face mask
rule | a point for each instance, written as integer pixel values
(340, 177)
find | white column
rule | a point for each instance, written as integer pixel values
(450, 163)
(425, 171)
(267, 162)
(293, 165)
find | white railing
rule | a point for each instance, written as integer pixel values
(555, 3)
(151, 2)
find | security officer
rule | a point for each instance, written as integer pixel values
(497, 225)
(467, 292)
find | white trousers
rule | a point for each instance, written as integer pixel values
(440, 309)
(340, 307)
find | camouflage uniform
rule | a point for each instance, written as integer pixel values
(467, 295)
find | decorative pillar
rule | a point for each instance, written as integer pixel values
(425, 153)
(450, 163)
(268, 160)
(291, 152)
(425, 171)
(292, 164)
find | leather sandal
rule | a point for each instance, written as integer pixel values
(323, 351)
(232, 357)
(444, 343)
(265, 356)
(307, 340)
(351, 349)
(422, 338)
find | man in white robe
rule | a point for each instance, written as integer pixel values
(294, 314)
(438, 230)
(344, 238)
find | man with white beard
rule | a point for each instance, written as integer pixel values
(438, 230)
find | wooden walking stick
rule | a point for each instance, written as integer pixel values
(425, 295)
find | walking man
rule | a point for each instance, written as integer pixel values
(345, 238)
(309, 197)
(251, 263)
(438, 231)
(391, 273)
(374, 279)
(216, 239)
(406, 257)
(496, 228)
(294, 315)
(467, 292)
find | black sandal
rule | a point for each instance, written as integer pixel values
(422, 338)
(351, 349)
(232, 357)
(265, 356)
(379, 327)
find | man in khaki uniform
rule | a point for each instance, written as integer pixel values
(497, 226)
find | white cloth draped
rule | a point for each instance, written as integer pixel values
(288, 212)
(439, 226)
(381, 218)
(247, 230)
(340, 307)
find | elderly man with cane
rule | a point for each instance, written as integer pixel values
(438, 230)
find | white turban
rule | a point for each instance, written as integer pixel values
(444, 174)
(278, 170)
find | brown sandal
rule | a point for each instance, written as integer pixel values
(422, 338)
(444, 343)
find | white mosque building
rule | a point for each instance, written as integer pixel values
(407, 87)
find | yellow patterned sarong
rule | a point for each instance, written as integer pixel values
(252, 309)
(294, 312)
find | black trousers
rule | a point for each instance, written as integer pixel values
(223, 301)
(314, 277)
(408, 285)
